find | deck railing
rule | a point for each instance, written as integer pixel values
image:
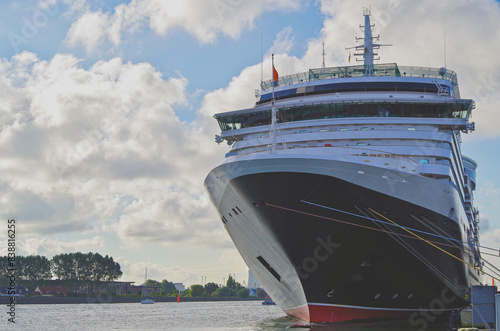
(380, 70)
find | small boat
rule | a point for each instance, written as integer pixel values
(144, 296)
(147, 301)
(268, 301)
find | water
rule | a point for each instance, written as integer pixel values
(228, 315)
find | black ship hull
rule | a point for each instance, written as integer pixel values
(350, 266)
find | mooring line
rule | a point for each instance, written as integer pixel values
(432, 244)
(413, 236)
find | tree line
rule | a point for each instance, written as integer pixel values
(66, 266)
(231, 289)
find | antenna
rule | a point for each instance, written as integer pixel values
(261, 63)
(444, 39)
(323, 65)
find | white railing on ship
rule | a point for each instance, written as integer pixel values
(381, 70)
(333, 150)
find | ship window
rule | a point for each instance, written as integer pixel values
(366, 129)
(323, 130)
(238, 209)
(362, 144)
(234, 211)
(247, 119)
(269, 268)
(343, 129)
(424, 161)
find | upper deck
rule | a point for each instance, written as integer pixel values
(384, 77)
(379, 70)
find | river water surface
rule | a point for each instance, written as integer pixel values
(227, 315)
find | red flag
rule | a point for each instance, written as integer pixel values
(275, 75)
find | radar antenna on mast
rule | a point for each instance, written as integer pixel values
(368, 46)
(323, 65)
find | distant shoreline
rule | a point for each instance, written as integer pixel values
(39, 300)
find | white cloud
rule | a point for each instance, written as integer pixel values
(202, 19)
(157, 272)
(50, 247)
(88, 29)
(283, 42)
(102, 149)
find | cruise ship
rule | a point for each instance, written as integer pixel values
(346, 193)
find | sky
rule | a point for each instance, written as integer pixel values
(106, 127)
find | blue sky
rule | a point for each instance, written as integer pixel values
(106, 120)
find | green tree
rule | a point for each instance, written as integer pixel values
(90, 266)
(35, 267)
(243, 293)
(152, 282)
(96, 267)
(83, 265)
(209, 289)
(112, 268)
(4, 265)
(196, 291)
(223, 292)
(32, 267)
(168, 286)
(231, 283)
(63, 267)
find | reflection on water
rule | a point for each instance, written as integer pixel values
(397, 325)
(385, 326)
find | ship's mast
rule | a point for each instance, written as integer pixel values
(368, 46)
(368, 53)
